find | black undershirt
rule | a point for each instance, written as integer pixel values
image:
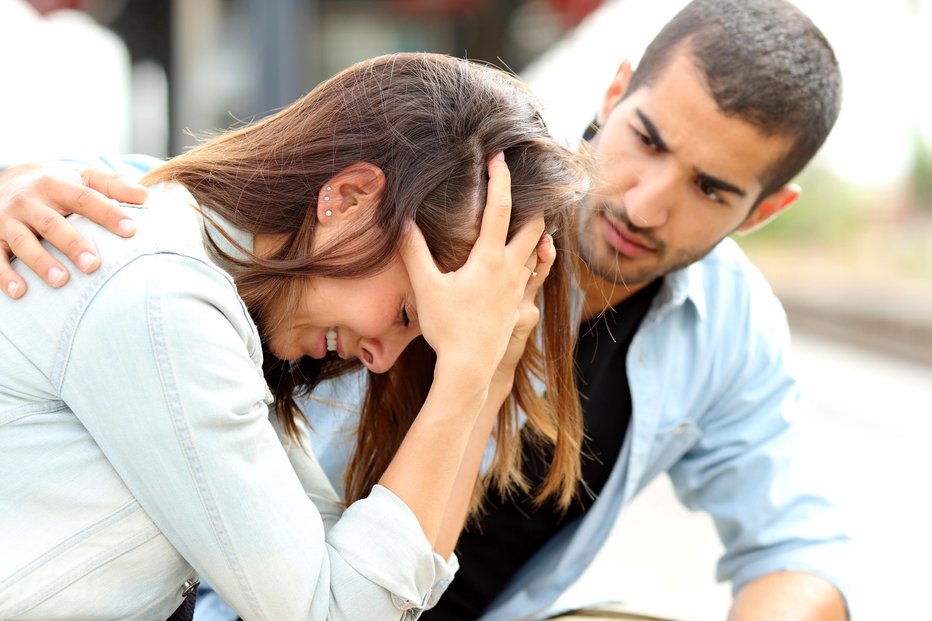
(510, 532)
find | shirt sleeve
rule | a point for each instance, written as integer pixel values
(175, 398)
(133, 166)
(749, 469)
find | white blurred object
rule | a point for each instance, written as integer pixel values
(880, 46)
(572, 77)
(66, 86)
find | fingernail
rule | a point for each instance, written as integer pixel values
(127, 227)
(55, 276)
(86, 260)
(13, 288)
(500, 156)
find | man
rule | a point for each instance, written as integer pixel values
(682, 351)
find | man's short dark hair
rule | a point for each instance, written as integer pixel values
(765, 62)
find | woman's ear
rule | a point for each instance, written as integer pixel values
(349, 194)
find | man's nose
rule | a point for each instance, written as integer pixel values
(649, 201)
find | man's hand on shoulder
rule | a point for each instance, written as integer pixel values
(34, 200)
(789, 596)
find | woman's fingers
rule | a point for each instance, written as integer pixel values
(497, 214)
(525, 240)
(417, 259)
(544, 257)
(528, 311)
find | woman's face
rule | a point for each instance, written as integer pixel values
(372, 318)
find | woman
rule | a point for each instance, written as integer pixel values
(134, 400)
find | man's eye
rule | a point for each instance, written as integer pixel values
(645, 139)
(709, 190)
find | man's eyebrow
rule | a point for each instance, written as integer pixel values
(720, 184)
(654, 134)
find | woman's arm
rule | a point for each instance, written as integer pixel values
(164, 371)
(468, 318)
(499, 391)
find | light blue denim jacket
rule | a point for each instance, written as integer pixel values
(136, 452)
(716, 406)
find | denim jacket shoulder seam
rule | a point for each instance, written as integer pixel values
(169, 388)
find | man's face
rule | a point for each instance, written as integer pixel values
(673, 176)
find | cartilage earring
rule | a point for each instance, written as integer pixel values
(327, 197)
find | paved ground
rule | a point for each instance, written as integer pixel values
(872, 422)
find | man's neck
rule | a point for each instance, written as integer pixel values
(602, 294)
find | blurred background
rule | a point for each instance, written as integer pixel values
(852, 261)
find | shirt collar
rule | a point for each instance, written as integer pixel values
(246, 240)
(685, 285)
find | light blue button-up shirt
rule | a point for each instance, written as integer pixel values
(716, 406)
(136, 452)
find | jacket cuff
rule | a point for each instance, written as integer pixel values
(381, 538)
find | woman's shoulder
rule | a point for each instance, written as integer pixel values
(167, 253)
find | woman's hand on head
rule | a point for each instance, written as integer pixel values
(528, 314)
(34, 200)
(469, 317)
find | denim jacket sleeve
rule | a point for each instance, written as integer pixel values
(747, 468)
(164, 370)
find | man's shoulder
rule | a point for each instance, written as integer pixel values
(727, 289)
(728, 270)
(132, 166)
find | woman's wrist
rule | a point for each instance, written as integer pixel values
(462, 380)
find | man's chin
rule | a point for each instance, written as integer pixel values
(620, 271)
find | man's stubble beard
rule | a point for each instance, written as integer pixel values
(616, 274)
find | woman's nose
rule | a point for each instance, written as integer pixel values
(379, 354)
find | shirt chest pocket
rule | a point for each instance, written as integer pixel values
(669, 445)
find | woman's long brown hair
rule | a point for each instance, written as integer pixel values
(430, 123)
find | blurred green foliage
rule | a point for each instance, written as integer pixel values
(921, 175)
(828, 211)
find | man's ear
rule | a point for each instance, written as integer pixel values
(768, 208)
(616, 90)
(352, 192)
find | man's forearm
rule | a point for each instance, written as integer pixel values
(789, 596)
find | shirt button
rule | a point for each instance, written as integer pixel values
(189, 586)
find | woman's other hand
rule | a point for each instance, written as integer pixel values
(469, 316)
(528, 315)
(34, 200)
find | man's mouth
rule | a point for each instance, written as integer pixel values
(623, 240)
